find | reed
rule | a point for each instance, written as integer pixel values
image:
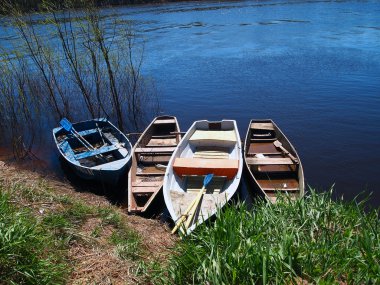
(75, 64)
(312, 240)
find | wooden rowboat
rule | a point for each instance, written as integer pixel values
(272, 162)
(206, 148)
(151, 154)
(106, 158)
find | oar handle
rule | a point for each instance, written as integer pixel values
(185, 214)
(206, 181)
(183, 217)
(82, 138)
(194, 208)
(289, 154)
(284, 150)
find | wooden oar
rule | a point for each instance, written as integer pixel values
(284, 150)
(180, 221)
(100, 133)
(196, 204)
(65, 123)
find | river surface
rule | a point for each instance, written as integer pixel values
(311, 66)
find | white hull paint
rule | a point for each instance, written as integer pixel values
(178, 197)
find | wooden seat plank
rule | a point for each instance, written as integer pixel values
(269, 161)
(210, 156)
(276, 168)
(164, 136)
(262, 126)
(144, 190)
(287, 184)
(263, 147)
(263, 140)
(162, 142)
(154, 158)
(140, 183)
(149, 173)
(200, 166)
(213, 135)
(95, 152)
(88, 132)
(165, 121)
(154, 149)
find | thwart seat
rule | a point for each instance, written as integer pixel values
(201, 135)
(199, 166)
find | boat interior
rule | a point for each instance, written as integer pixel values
(108, 144)
(273, 168)
(210, 149)
(151, 156)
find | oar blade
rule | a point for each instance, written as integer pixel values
(207, 179)
(66, 124)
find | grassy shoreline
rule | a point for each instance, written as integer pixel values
(51, 234)
(315, 240)
(75, 238)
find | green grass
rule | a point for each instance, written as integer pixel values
(28, 253)
(38, 226)
(316, 239)
(127, 243)
(110, 217)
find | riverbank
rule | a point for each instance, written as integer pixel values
(56, 235)
(52, 234)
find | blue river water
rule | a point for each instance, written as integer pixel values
(312, 66)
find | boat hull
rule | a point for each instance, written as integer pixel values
(271, 162)
(105, 176)
(108, 167)
(150, 155)
(206, 148)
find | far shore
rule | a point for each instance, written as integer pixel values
(36, 6)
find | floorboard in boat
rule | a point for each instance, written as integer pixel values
(181, 201)
(154, 158)
(262, 147)
(278, 184)
(162, 142)
(150, 170)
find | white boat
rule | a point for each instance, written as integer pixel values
(206, 148)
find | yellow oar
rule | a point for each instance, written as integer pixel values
(192, 205)
(190, 217)
(183, 217)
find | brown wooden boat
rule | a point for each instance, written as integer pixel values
(150, 155)
(272, 162)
